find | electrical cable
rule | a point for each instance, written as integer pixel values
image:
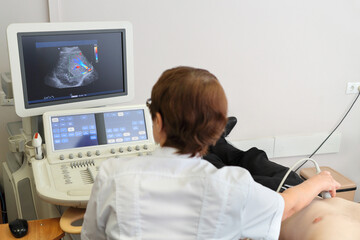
(298, 162)
(3, 210)
(331, 132)
(324, 194)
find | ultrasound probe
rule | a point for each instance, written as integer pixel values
(36, 142)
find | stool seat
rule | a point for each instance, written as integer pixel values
(42, 229)
(69, 217)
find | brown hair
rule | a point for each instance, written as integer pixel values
(193, 107)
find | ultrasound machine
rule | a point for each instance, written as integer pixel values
(64, 77)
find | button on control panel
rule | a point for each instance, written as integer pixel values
(109, 151)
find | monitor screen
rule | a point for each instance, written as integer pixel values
(58, 66)
(92, 129)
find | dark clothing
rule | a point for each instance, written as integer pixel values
(265, 172)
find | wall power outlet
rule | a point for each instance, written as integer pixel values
(352, 87)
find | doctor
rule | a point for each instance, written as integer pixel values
(174, 193)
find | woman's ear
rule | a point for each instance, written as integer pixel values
(159, 121)
(158, 129)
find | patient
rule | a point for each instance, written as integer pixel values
(263, 171)
(324, 219)
(328, 219)
(174, 193)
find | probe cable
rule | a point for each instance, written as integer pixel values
(297, 163)
(324, 194)
(305, 160)
(330, 133)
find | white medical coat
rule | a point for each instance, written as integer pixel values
(171, 196)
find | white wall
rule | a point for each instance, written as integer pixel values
(284, 64)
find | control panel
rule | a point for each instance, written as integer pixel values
(78, 141)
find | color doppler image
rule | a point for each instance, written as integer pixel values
(72, 70)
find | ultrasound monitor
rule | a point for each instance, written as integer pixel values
(56, 66)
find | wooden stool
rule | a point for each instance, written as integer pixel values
(42, 229)
(70, 216)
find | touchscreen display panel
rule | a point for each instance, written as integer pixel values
(84, 130)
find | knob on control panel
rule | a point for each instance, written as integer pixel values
(118, 151)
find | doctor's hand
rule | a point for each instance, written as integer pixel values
(326, 182)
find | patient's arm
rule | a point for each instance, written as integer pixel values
(327, 219)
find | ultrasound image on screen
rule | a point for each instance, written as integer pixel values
(85, 65)
(72, 70)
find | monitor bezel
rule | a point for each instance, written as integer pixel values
(13, 30)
